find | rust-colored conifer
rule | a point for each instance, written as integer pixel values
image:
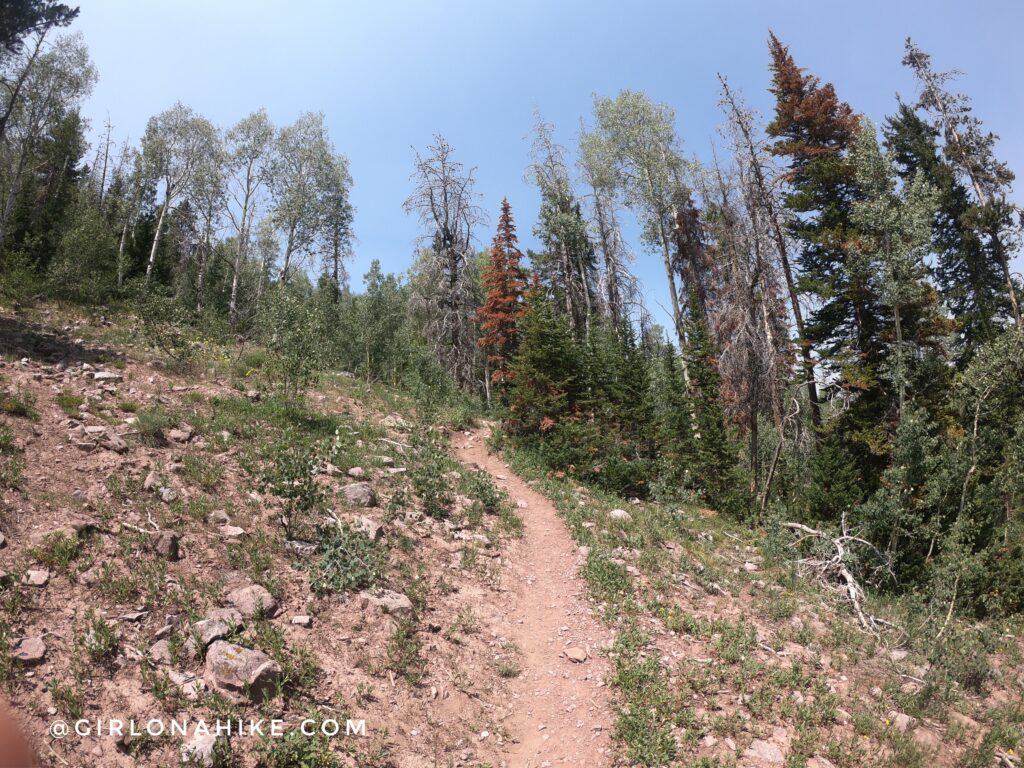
(504, 285)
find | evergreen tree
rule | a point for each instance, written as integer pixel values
(544, 384)
(971, 283)
(504, 286)
(714, 453)
(814, 131)
(567, 265)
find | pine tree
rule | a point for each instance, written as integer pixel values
(971, 283)
(714, 452)
(544, 379)
(503, 304)
(972, 152)
(815, 131)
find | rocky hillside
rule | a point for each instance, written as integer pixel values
(186, 545)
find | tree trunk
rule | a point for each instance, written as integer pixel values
(156, 238)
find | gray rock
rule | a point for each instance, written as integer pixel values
(232, 532)
(229, 616)
(109, 376)
(166, 544)
(239, 671)
(113, 442)
(208, 630)
(901, 721)
(388, 601)
(575, 654)
(356, 472)
(160, 652)
(302, 548)
(302, 621)
(168, 495)
(180, 435)
(360, 495)
(373, 530)
(29, 651)
(219, 517)
(620, 514)
(765, 752)
(253, 600)
(36, 577)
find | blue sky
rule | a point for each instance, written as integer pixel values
(390, 74)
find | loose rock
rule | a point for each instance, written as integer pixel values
(29, 651)
(360, 495)
(236, 670)
(253, 600)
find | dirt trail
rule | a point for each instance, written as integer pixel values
(561, 709)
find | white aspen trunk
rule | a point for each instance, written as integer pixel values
(156, 238)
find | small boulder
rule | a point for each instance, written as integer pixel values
(29, 651)
(160, 652)
(253, 600)
(765, 752)
(36, 577)
(388, 601)
(151, 480)
(356, 472)
(373, 530)
(180, 435)
(575, 654)
(208, 630)
(238, 671)
(302, 621)
(112, 442)
(219, 517)
(232, 532)
(168, 495)
(360, 495)
(620, 515)
(901, 721)
(166, 544)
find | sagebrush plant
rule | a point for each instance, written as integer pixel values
(150, 424)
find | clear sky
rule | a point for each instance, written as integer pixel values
(389, 74)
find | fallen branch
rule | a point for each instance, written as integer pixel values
(833, 568)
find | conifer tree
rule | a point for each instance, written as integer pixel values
(504, 286)
(972, 152)
(567, 264)
(544, 381)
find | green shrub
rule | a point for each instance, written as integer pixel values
(348, 560)
(429, 479)
(150, 424)
(69, 403)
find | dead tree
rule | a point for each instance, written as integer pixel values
(444, 200)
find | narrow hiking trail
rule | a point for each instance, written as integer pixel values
(561, 713)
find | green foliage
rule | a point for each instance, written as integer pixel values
(347, 560)
(11, 462)
(20, 402)
(429, 477)
(294, 750)
(150, 424)
(293, 329)
(289, 473)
